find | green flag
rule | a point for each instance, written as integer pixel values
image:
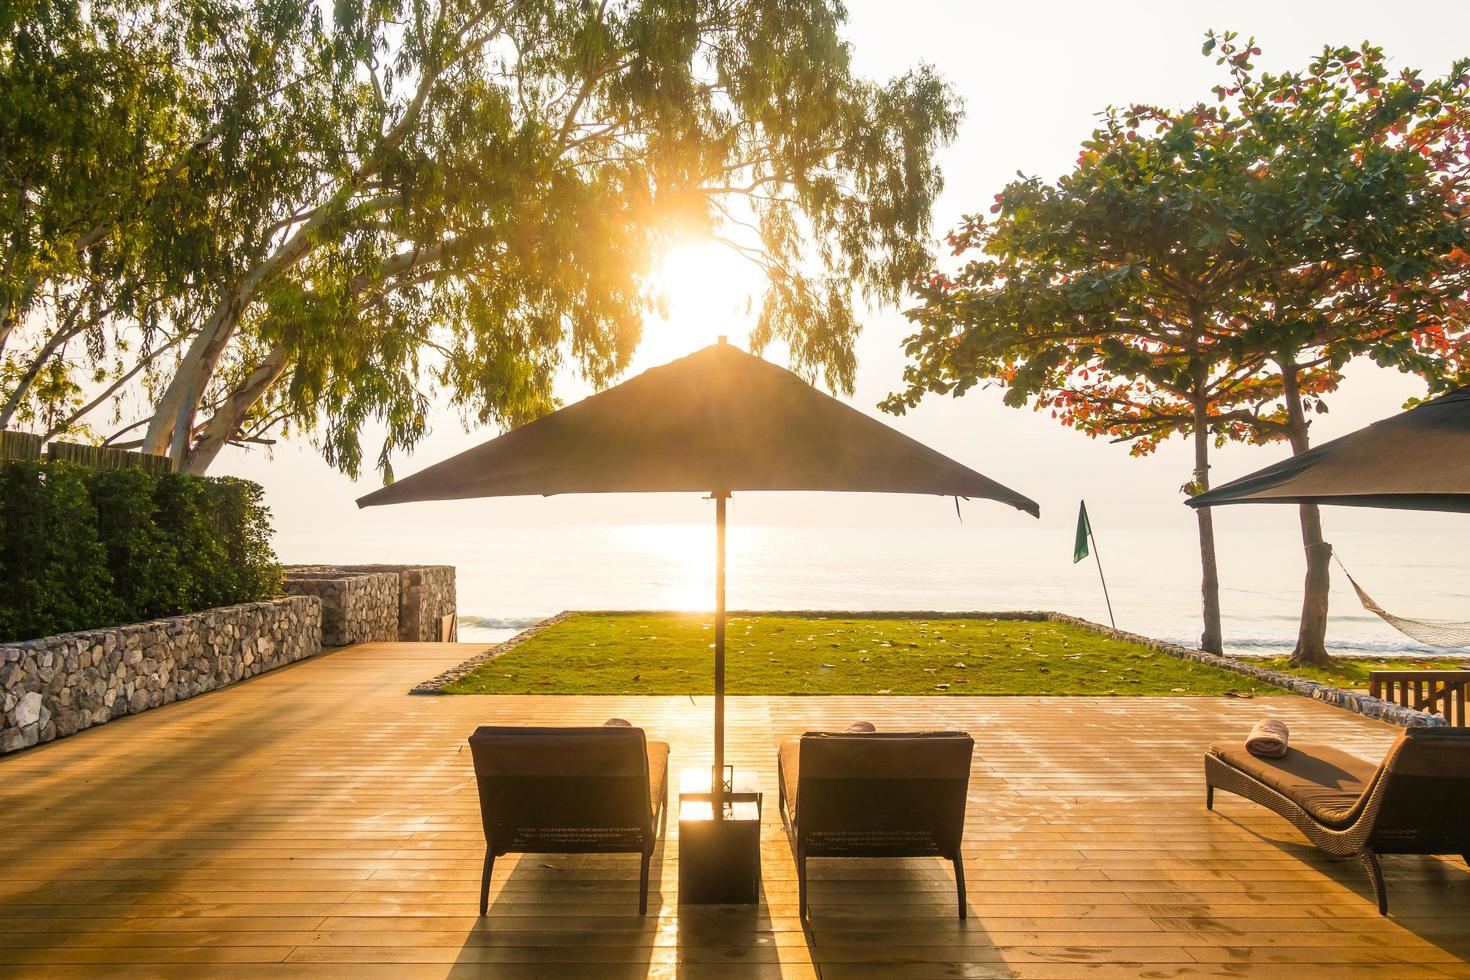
(1079, 549)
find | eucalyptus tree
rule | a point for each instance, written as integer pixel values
(464, 196)
(140, 146)
(1208, 271)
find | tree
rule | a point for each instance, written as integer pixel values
(1209, 271)
(134, 151)
(463, 195)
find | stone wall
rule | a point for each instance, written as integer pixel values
(58, 685)
(357, 607)
(426, 593)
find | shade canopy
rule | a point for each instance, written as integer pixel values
(1417, 460)
(719, 420)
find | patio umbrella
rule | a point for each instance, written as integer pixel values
(1416, 460)
(715, 422)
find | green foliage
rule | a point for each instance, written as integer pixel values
(1214, 262)
(183, 504)
(669, 653)
(243, 527)
(131, 528)
(83, 549)
(54, 566)
(336, 212)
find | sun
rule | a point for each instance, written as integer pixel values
(706, 289)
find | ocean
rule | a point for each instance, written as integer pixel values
(510, 576)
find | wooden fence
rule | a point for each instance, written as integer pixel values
(19, 445)
(1439, 692)
(106, 458)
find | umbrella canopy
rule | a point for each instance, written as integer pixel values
(1417, 460)
(716, 421)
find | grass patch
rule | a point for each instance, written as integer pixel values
(672, 653)
(1353, 674)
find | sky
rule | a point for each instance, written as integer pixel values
(1033, 76)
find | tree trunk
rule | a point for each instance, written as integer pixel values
(225, 424)
(1212, 640)
(1311, 637)
(172, 426)
(180, 399)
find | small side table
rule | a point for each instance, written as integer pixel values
(719, 860)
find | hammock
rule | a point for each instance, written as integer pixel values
(1430, 633)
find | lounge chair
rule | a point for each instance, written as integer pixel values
(1416, 801)
(570, 791)
(882, 794)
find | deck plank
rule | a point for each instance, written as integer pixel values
(319, 821)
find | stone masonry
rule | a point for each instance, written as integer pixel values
(356, 607)
(58, 685)
(426, 594)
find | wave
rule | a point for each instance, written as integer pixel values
(498, 622)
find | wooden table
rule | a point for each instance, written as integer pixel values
(719, 860)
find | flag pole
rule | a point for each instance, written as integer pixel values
(1097, 556)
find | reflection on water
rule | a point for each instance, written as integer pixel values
(510, 576)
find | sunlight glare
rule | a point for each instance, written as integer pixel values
(681, 559)
(706, 289)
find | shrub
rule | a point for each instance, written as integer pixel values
(82, 549)
(144, 554)
(244, 525)
(54, 567)
(183, 508)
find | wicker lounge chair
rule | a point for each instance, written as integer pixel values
(884, 794)
(1415, 801)
(570, 791)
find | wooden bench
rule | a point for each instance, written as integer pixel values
(1440, 692)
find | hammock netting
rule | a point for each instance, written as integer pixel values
(1435, 634)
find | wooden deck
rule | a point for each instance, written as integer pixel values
(318, 821)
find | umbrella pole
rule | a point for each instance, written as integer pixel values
(717, 776)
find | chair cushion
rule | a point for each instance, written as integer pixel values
(884, 751)
(658, 771)
(1325, 782)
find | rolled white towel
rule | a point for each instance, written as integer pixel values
(1268, 739)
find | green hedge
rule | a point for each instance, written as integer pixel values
(84, 549)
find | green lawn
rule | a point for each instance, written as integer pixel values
(614, 653)
(1353, 674)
